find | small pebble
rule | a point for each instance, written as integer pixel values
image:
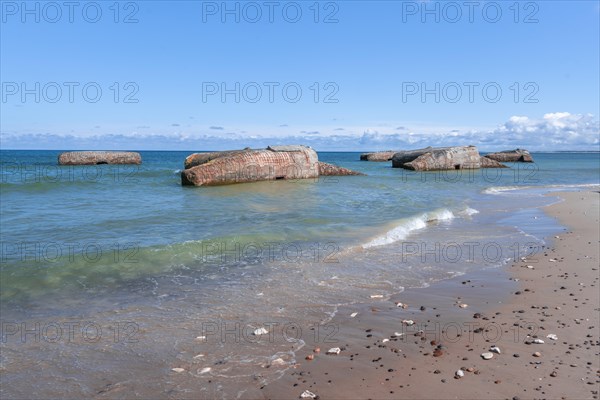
(308, 395)
(334, 351)
(260, 331)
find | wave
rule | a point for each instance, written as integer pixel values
(469, 211)
(496, 190)
(409, 225)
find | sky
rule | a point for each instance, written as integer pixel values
(335, 75)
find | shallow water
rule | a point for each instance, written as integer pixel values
(140, 266)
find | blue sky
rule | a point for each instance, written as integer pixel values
(372, 75)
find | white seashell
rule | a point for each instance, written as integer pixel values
(401, 305)
(354, 314)
(260, 331)
(278, 361)
(552, 260)
(529, 267)
(198, 356)
(334, 350)
(463, 305)
(552, 336)
(398, 334)
(538, 341)
(201, 338)
(308, 395)
(178, 370)
(408, 322)
(487, 356)
(205, 370)
(377, 296)
(495, 349)
(459, 373)
(385, 340)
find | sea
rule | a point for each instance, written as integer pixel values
(113, 275)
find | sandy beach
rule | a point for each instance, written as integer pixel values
(541, 313)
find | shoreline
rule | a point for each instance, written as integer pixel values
(552, 298)
(375, 363)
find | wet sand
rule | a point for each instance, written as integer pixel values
(511, 308)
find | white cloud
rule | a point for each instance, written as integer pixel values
(554, 131)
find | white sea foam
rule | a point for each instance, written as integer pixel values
(503, 189)
(469, 211)
(409, 225)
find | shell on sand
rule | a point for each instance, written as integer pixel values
(260, 331)
(308, 395)
(487, 355)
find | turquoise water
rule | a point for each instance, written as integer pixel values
(79, 230)
(113, 243)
